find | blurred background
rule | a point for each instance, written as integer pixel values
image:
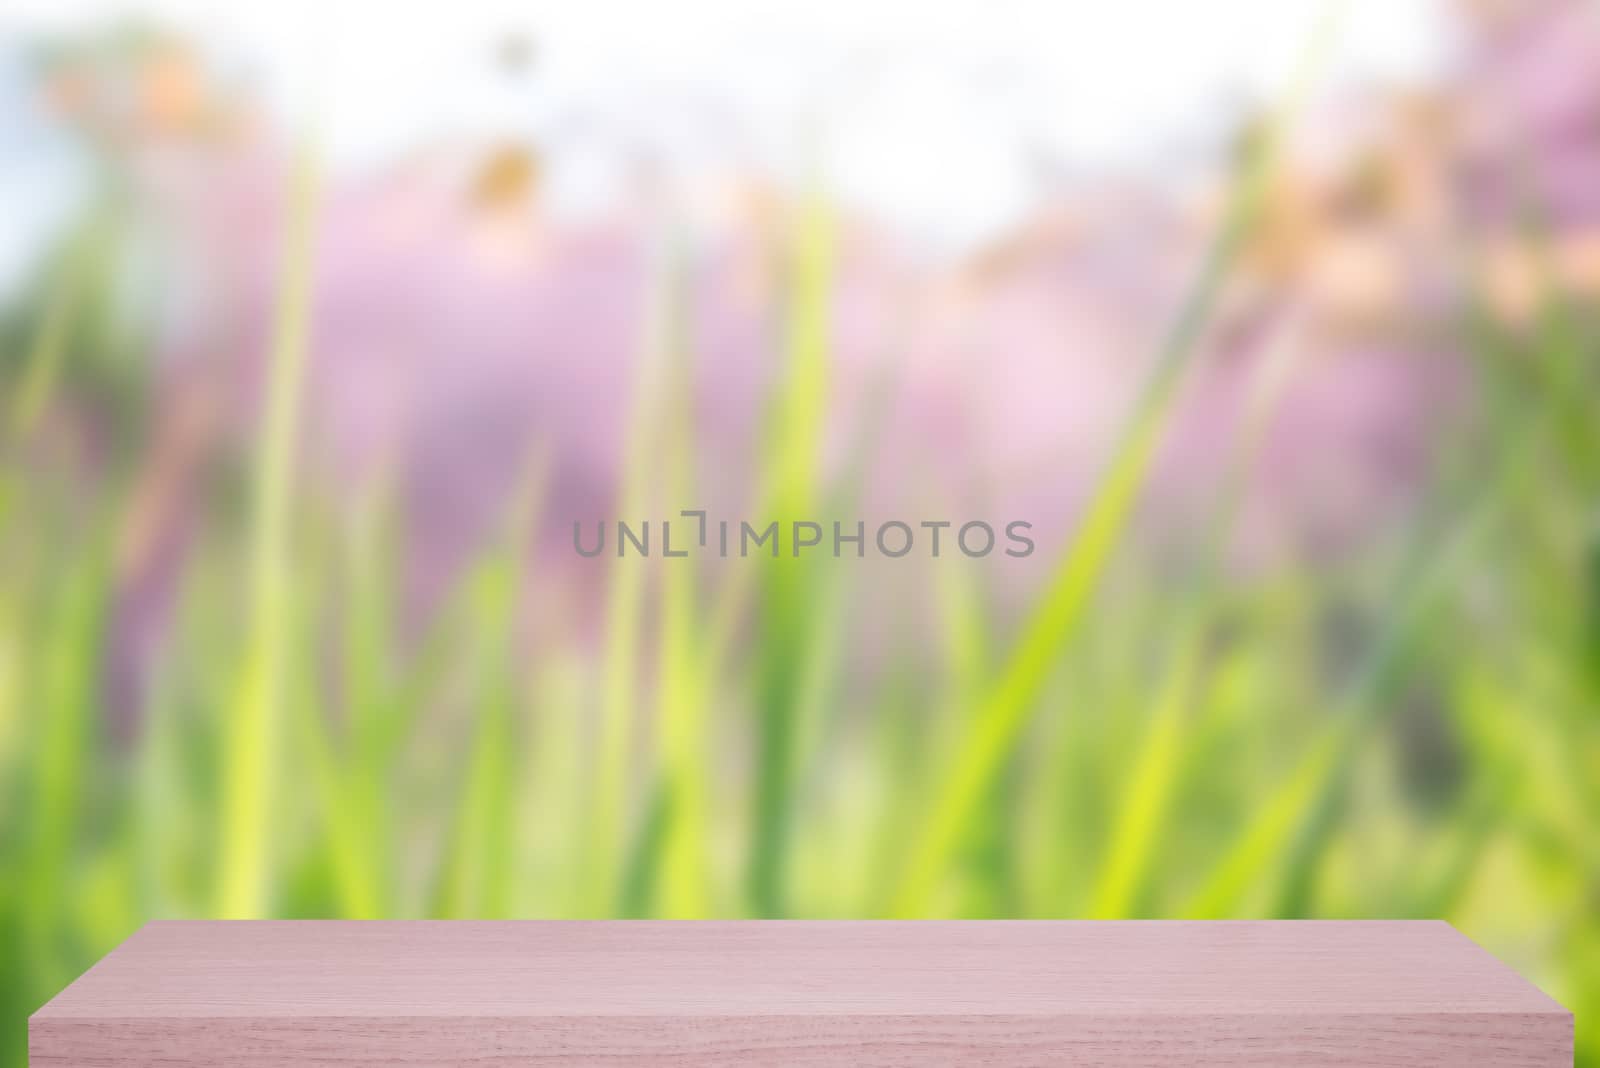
(321, 326)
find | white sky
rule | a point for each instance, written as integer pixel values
(936, 114)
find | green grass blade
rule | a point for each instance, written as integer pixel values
(252, 742)
(793, 489)
(478, 878)
(1003, 712)
(1151, 781)
(682, 691)
(609, 797)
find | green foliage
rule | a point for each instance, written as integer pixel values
(1133, 747)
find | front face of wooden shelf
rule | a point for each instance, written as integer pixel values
(1000, 994)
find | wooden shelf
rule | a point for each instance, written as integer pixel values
(859, 994)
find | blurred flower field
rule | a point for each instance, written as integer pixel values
(291, 623)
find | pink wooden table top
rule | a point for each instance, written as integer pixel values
(801, 993)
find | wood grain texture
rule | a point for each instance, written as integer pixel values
(1000, 994)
